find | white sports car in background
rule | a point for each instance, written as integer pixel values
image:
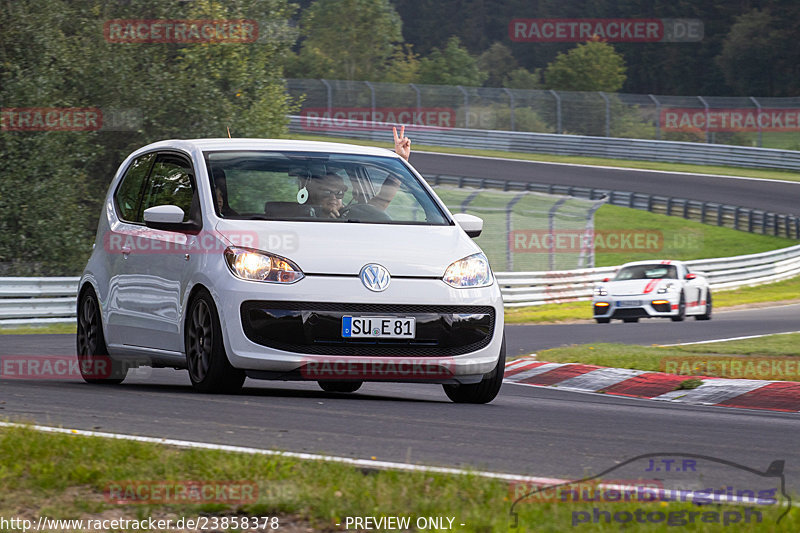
(645, 289)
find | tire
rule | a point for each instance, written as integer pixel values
(631, 319)
(483, 391)
(209, 368)
(707, 314)
(95, 364)
(340, 386)
(681, 310)
(603, 320)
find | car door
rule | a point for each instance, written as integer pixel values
(693, 289)
(156, 266)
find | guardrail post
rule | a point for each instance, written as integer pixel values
(608, 113)
(750, 221)
(329, 90)
(558, 110)
(705, 104)
(511, 106)
(466, 105)
(658, 116)
(758, 119)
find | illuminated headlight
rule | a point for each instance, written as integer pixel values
(600, 291)
(253, 265)
(470, 272)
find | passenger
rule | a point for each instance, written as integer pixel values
(221, 193)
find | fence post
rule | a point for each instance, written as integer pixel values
(511, 104)
(466, 106)
(658, 116)
(509, 227)
(705, 104)
(608, 113)
(419, 97)
(758, 119)
(330, 96)
(558, 110)
(371, 102)
(551, 225)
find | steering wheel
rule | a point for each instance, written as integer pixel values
(365, 213)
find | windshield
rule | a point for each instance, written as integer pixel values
(319, 187)
(647, 272)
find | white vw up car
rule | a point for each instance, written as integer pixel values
(287, 260)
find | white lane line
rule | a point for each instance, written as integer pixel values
(599, 379)
(382, 465)
(631, 169)
(714, 391)
(729, 339)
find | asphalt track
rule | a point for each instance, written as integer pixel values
(526, 430)
(769, 195)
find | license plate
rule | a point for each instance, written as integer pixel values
(380, 327)
(629, 303)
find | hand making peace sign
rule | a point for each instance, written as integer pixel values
(402, 144)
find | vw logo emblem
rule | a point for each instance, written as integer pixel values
(375, 277)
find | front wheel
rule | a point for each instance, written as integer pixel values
(603, 320)
(94, 363)
(209, 368)
(485, 390)
(707, 314)
(681, 310)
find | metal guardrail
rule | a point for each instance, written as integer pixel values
(535, 288)
(714, 213)
(560, 144)
(38, 301)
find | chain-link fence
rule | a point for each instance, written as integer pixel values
(528, 231)
(745, 121)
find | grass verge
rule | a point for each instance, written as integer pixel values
(694, 359)
(65, 476)
(41, 330)
(549, 158)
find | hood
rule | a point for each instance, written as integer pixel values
(344, 248)
(636, 286)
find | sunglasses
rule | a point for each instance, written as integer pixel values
(336, 193)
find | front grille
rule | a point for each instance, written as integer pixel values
(630, 312)
(315, 328)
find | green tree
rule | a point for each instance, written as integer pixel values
(403, 65)
(52, 184)
(593, 66)
(451, 66)
(522, 78)
(497, 62)
(750, 52)
(348, 39)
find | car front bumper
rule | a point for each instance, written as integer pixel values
(636, 306)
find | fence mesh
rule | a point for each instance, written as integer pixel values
(745, 121)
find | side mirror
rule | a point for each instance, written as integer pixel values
(606, 279)
(166, 217)
(472, 225)
(691, 275)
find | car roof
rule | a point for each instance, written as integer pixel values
(191, 145)
(653, 262)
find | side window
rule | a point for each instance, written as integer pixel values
(129, 193)
(171, 184)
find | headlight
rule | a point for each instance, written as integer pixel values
(472, 271)
(254, 265)
(600, 291)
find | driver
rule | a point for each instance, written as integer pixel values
(326, 193)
